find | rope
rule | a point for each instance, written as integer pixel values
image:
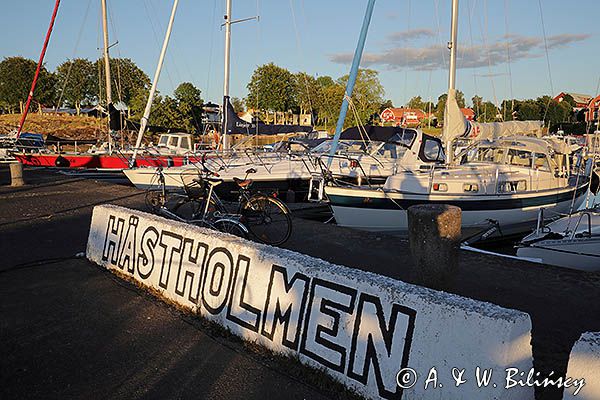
(547, 60)
(508, 59)
(83, 23)
(299, 49)
(210, 49)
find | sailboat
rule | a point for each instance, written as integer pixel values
(499, 182)
(231, 125)
(173, 149)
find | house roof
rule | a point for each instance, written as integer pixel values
(578, 97)
(399, 113)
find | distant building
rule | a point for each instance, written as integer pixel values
(591, 113)
(581, 100)
(403, 116)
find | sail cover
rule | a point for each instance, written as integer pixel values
(455, 123)
(457, 126)
(494, 130)
(235, 125)
(392, 134)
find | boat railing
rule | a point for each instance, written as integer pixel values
(588, 216)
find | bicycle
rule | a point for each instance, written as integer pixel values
(267, 218)
(157, 200)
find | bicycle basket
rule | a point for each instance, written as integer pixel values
(193, 185)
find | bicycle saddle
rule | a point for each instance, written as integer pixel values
(212, 181)
(250, 171)
(243, 183)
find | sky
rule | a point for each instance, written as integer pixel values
(506, 48)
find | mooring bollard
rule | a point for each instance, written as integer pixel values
(16, 174)
(434, 238)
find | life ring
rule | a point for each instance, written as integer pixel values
(62, 162)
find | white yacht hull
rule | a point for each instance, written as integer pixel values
(579, 254)
(376, 210)
(570, 242)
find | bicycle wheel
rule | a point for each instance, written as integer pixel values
(154, 200)
(268, 219)
(232, 227)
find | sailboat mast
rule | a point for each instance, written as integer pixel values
(351, 79)
(107, 68)
(146, 116)
(106, 55)
(452, 46)
(226, 73)
(39, 67)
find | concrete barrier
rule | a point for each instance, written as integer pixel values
(382, 337)
(584, 364)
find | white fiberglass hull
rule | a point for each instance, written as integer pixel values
(580, 254)
(571, 242)
(376, 210)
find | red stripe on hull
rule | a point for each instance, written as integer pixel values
(105, 161)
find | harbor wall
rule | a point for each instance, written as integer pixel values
(381, 337)
(584, 363)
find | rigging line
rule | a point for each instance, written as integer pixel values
(439, 31)
(547, 62)
(156, 41)
(406, 98)
(62, 91)
(470, 18)
(484, 33)
(210, 48)
(98, 63)
(257, 55)
(299, 49)
(508, 58)
(117, 80)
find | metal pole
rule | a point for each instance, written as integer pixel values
(106, 56)
(144, 120)
(351, 79)
(227, 23)
(452, 45)
(39, 67)
(107, 68)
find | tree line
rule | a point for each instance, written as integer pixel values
(543, 108)
(79, 83)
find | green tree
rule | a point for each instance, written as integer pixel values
(307, 92)
(552, 111)
(386, 104)
(528, 110)
(367, 96)
(189, 105)
(76, 81)
(16, 75)
(415, 102)
(126, 79)
(238, 104)
(272, 88)
(441, 104)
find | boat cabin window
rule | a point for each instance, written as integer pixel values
(173, 141)
(519, 158)
(391, 150)
(185, 143)
(541, 161)
(432, 150)
(406, 138)
(164, 140)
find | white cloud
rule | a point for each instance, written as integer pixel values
(410, 34)
(434, 56)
